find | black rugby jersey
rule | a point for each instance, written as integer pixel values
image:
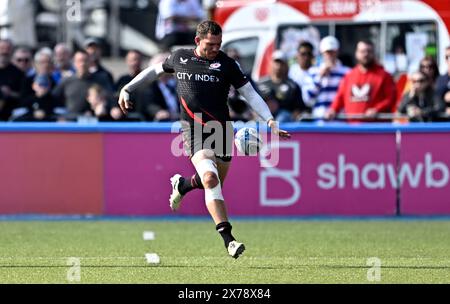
(203, 85)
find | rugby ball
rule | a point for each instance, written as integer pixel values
(248, 141)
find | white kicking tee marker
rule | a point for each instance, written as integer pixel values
(148, 236)
(152, 258)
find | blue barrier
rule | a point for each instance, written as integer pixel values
(150, 127)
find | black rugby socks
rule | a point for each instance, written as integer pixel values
(188, 184)
(225, 231)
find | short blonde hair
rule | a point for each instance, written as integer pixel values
(97, 89)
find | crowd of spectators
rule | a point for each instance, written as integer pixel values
(366, 92)
(52, 85)
(314, 89)
(57, 86)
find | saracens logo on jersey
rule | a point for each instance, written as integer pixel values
(215, 66)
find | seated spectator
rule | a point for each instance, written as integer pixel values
(239, 110)
(11, 81)
(23, 60)
(443, 85)
(63, 63)
(99, 110)
(176, 22)
(367, 90)
(72, 91)
(37, 102)
(429, 67)
(326, 78)
(43, 60)
(93, 48)
(134, 62)
(282, 94)
(420, 103)
(163, 102)
(300, 71)
(140, 97)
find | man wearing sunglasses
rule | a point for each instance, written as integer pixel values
(299, 72)
(11, 79)
(419, 103)
(22, 59)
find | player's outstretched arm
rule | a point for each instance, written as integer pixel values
(148, 75)
(255, 101)
(274, 126)
(124, 102)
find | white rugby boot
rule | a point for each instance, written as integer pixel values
(175, 197)
(235, 249)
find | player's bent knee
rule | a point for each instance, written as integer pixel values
(214, 194)
(209, 174)
(207, 168)
(210, 180)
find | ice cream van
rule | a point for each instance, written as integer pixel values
(403, 31)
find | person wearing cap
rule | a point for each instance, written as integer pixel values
(366, 90)
(93, 47)
(282, 94)
(326, 77)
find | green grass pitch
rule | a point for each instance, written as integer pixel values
(291, 251)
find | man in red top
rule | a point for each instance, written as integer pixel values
(366, 90)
